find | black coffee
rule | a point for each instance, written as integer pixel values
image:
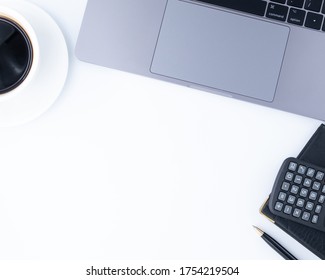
(15, 55)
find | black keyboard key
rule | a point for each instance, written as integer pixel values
(296, 16)
(279, 1)
(256, 7)
(314, 21)
(296, 3)
(313, 5)
(276, 11)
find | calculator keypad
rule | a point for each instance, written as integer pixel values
(299, 193)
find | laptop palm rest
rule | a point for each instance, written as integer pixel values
(205, 46)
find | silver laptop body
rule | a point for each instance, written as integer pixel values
(245, 53)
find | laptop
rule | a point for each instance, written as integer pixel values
(270, 53)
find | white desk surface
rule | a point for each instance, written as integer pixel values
(127, 167)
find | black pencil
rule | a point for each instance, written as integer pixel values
(275, 245)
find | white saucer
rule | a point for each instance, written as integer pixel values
(46, 85)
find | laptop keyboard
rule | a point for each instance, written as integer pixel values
(307, 13)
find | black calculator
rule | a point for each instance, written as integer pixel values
(299, 193)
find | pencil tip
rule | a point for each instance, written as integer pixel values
(260, 232)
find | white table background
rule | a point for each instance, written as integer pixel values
(127, 167)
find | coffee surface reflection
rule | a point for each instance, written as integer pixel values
(15, 55)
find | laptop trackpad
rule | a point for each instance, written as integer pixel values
(220, 50)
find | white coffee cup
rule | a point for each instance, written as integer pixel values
(49, 69)
(19, 53)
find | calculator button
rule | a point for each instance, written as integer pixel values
(291, 199)
(292, 166)
(300, 202)
(319, 175)
(287, 209)
(318, 209)
(302, 169)
(305, 216)
(310, 172)
(307, 183)
(298, 179)
(323, 190)
(296, 213)
(316, 186)
(278, 206)
(289, 176)
(313, 195)
(294, 189)
(309, 206)
(285, 186)
(303, 192)
(321, 199)
(282, 196)
(314, 220)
